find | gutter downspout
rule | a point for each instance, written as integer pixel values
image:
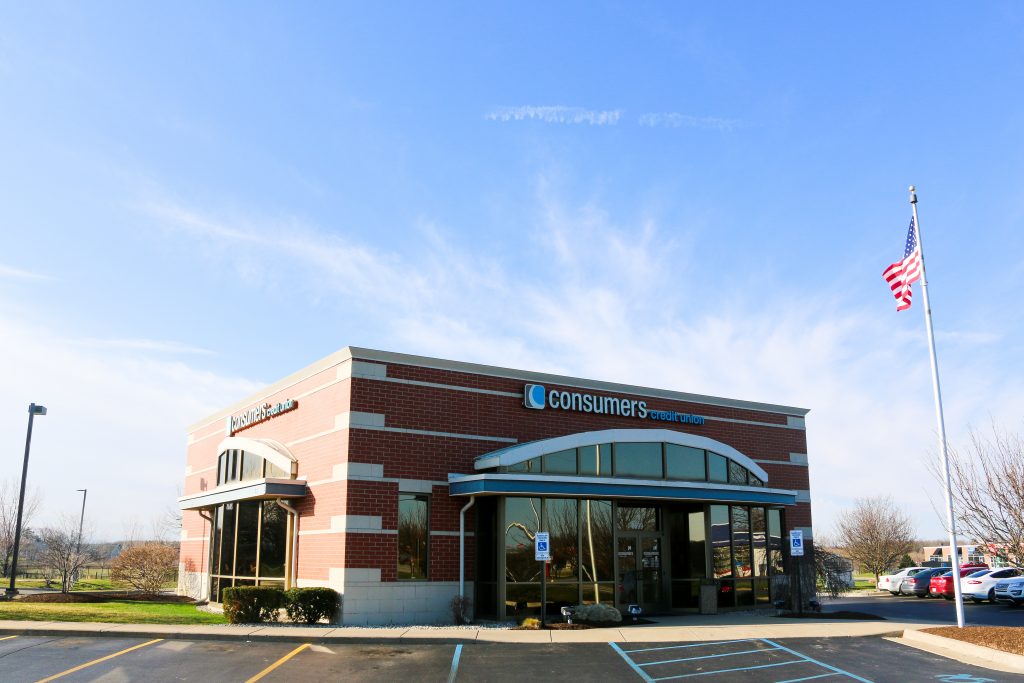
(462, 546)
(205, 593)
(293, 547)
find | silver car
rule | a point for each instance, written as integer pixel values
(1010, 590)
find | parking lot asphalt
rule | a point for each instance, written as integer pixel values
(38, 659)
(939, 610)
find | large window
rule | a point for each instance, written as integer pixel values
(248, 542)
(582, 567)
(639, 460)
(413, 535)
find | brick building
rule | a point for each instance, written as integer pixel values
(374, 472)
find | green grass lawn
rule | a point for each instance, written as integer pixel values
(113, 612)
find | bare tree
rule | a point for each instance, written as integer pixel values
(62, 553)
(9, 490)
(988, 492)
(875, 534)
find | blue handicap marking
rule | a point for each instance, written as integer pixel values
(964, 678)
(542, 546)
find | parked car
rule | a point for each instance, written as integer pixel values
(1010, 590)
(918, 583)
(891, 582)
(942, 584)
(980, 586)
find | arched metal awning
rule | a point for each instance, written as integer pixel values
(535, 484)
(266, 488)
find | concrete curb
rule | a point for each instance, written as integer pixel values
(968, 653)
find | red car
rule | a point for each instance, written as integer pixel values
(942, 584)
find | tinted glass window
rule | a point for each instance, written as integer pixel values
(636, 518)
(273, 539)
(597, 532)
(684, 463)
(596, 460)
(639, 460)
(717, 470)
(562, 462)
(252, 466)
(721, 558)
(531, 465)
(248, 538)
(562, 525)
(737, 474)
(274, 472)
(413, 534)
(522, 522)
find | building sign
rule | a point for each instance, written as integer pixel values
(237, 423)
(537, 397)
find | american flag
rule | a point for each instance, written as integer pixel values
(900, 274)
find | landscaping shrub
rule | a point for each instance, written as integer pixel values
(460, 607)
(145, 567)
(310, 605)
(251, 604)
(530, 623)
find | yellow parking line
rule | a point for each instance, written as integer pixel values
(97, 661)
(276, 664)
(8, 637)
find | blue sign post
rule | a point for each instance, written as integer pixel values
(542, 553)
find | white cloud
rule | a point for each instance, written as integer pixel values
(154, 345)
(555, 114)
(20, 274)
(677, 120)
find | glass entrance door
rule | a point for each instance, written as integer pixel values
(640, 574)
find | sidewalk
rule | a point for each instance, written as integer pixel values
(667, 629)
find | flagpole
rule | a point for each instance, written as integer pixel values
(950, 520)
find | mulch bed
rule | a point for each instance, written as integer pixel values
(584, 626)
(841, 614)
(1006, 638)
(106, 596)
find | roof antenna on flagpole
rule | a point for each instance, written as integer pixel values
(954, 550)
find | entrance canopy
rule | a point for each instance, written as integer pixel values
(623, 463)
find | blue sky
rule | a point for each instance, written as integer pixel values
(197, 200)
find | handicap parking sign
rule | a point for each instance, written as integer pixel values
(542, 547)
(796, 542)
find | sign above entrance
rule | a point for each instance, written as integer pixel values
(537, 397)
(237, 423)
(796, 543)
(542, 547)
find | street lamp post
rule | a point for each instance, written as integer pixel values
(33, 410)
(81, 521)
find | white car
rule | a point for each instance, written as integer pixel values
(892, 582)
(982, 586)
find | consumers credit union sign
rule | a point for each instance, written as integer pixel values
(537, 397)
(259, 414)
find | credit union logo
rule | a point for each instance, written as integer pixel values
(537, 397)
(533, 396)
